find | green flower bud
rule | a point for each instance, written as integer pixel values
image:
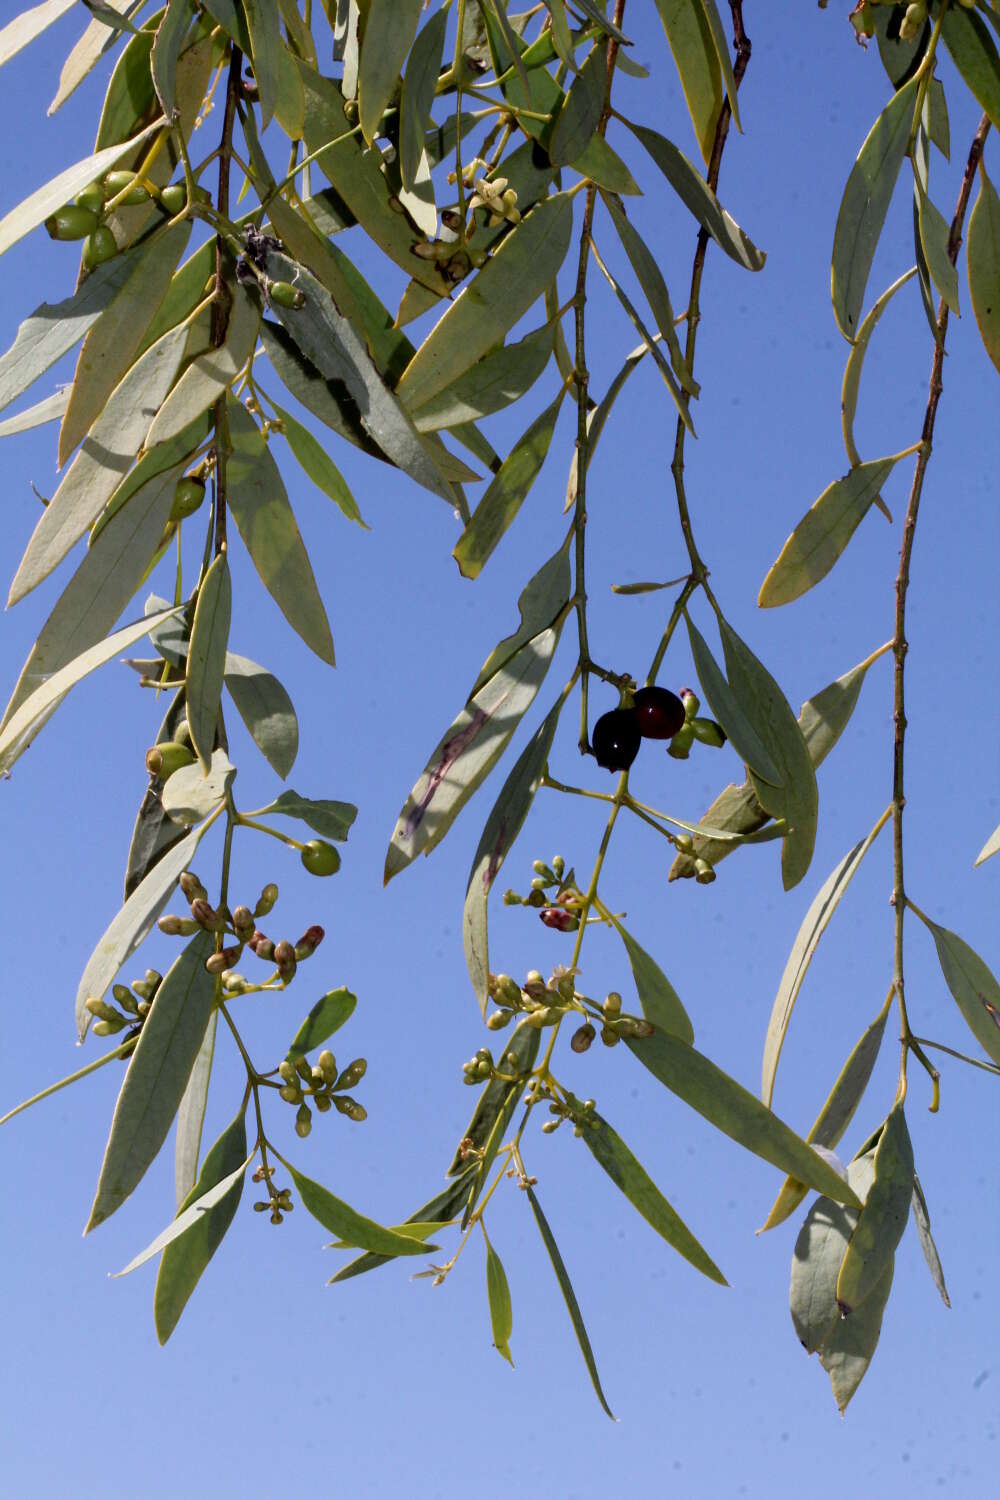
(535, 898)
(286, 1070)
(163, 760)
(109, 1028)
(534, 984)
(291, 1093)
(540, 868)
(582, 1038)
(261, 1206)
(128, 184)
(511, 898)
(354, 1072)
(71, 223)
(243, 921)
(174, 926)
(309, 942)
(320, 858)
(189, 493)
(913, 21)
(704, 873)
(323, 1102)
(327, 1065)
(691, 703)
(192, 886)
(708, 732)
(234, 984)
(303, 1121)
(205, 915)
(550, 1126)
(266, 900)
(356, 1112)
(499, 1019)
(507, 991)
(302, 1067)
(102, 1009)
(276, 1216)
(609, 1036)
(558, 866)
(99, 247)
(125, 998)
(613, 1004)
(224, 959)
(680, 746)
(286, 295)
(147, 986)
(684, 842)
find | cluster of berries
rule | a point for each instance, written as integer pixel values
(324, 1085)
(654, 713)
(135, 1002)
(545, 1003)
(83, 219)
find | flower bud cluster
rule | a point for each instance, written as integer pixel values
(568, 1108)
(324, 1085)
(241, 923)
(133, 1006)
(554, 893)
(279, 1200)
(545, 1003)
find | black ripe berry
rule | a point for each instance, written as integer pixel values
(660, 713)
(616, 739)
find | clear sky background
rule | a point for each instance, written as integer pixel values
(381, 1386)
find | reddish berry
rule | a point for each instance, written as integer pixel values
(616, 739)
(660, 713)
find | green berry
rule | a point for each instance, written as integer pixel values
(174, 198)
(128, 184)
(92, 198)
(71, 223)
(189, 493)
(99, 247)
(286, 295)
(320, 858)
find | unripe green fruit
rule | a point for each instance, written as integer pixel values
(163, 760)
(708, 732)
(189, 493)
(286, 295)
(355, 1071)
(320, 858)
(680, 746)
(327, 1064)
(92, 198)
(128, 184)
(266, 900)
(303, 1121)
(174, 198)
(71, 223)
(100, 246)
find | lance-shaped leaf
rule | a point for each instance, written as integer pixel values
(498, 1296)
(332, 819)
(650, 277)
(29, 24)
(327, 1016)
(48, 410)
(348, 1224)
(418, 94)
(35, 209)
(814, 924)
(819, 1252)
(922, 1219)
(265, 709)
(107, 454)
(263, 24)
(865, 204)
(991, 847)
(972, 984)
(507, 492)
(974, 54)
(502, 827)
(154, 833)
(728, 1106)
(605, 168)
(191, 793)
(206, 657)
(190, 1217)
(318, 464)
(631, 1178)
(796, 798)
(882, 1220)
(22, 726)
(935, 233)
(823, 533)
(186, 1257)
(983, 259)
(209, 375)
(191, 1115)
(659, 358)
(580, 114)
(661, 1005)
(848, 1351)
(497, 1103)
(331, 343)
(855, 362)
(468, 751)
(695, 193)
(267, 525)
(53, 328)
(569, 1297)
(727, 709)
(166, 49)
(502, 292)
(837, 1113)
(692, 44)
(495, 381)
(390, 28)
(157, 1076)
(440, 1209)
(132, 925)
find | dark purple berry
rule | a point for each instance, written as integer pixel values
(660, 713)
(616, 739)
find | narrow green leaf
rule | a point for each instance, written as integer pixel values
(580, 114)
(661, 1005)
(318, 464)
(922, 1219)
(494, 382)
(819, 1252)
(605, 168)
(35, 209)
(935, 233)
(191, 1115)
(650, 278)
(206, 659)
(468, 751)
(191, 1216)
(722, 53)
(497, 1100)
(327, 1016)
(186, 1258)
(562, 38)
(823, 533)
(209, 375)
(348, 1224)
(265, 709)
(106, 456)
(63, 1083)
(498, 1294)
(414, 1231)
(796, 798)
(106, 13)
(29, 24)
(975, 56)
(678, 396)
(882, 1220)
(814, 924)
(631, 1178)
(23, 725)
(991, 847)
(726, 708)
(569, 1297)
(690, 36)
(848, 1351)
(837, 1113)
(972, 984)
(332, 819)
(855, 361)
(865, 204)
(166, 49)
(154, 833)
(263, 23)
(129, 929)
(390, 28)
(541, 602)
(728, 1106)
(824, 718)
(695, 193)
(191, 793)
(501, 293)
(418, 94)
(503, 825)
(983, 259)
(440, 1209)
(505, 495)
(267, 525)
(48, 410)
(157, 1076)
(596, 13)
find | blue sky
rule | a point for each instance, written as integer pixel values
(382, 1385)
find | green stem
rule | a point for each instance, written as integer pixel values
(64, 1083)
